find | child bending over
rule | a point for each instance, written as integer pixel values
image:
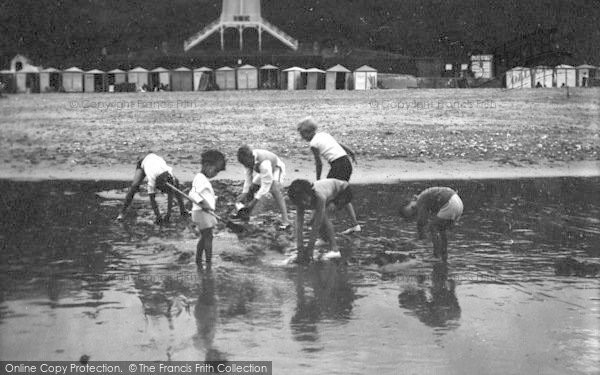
(322, 197)
(264, 173)
(158, 173)
(442, 208)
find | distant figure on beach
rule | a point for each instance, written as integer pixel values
(324, 145)
(158, 173)
(205, 200)
(264, 173)
(323, 197)
(441, 207)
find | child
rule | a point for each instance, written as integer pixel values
(204, 196)
(323, 196)
(443, 207)
(270, 172)
(324, 145)
(158, 173)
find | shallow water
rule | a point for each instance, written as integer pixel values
(74, 282)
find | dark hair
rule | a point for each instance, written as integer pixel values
(214, 157)
(244, 152)
(299, 189)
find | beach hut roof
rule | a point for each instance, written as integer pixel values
(225, 68)
(564, 66)
(95, 71)
(203, 69)
(29, 69)
(338, 69)
(315, 70)
(182, 69)
(246, 67)
(50, 70)
(5, 71)
(294, 68)
(518, 68)
(139, 69)
(586, 66)
(366, 68)
(269, 67)
(73, 69)
(160, 69)
(116, 71)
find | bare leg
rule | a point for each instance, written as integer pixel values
(351, 213)
(199, 250)
(207, 236)
(276, 191)
(328, 229)
(182, 209)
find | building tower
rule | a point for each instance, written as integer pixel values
(240, 14)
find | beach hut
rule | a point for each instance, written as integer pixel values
(182, 79)
(269, 77)
(225, 78)
(315, 79)
(28, 79)
(116, 76)
(72, 80)
(365, 78)
(294, 78)
(139, 77)
(7, 78)
(160, 79)
(542, 76)
(565, 76)
(337, 78)
(49, 80)
(518, 78)
(247, 77)
(584, 74)
(203, 79)
(95, 81)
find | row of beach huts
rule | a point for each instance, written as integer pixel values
(559, 76)
(32, 79)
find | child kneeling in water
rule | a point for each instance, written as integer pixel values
(322, 196)
(203, 194)
(442, 207)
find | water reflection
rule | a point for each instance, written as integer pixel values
(323, 292)
(437, 305)
(206, 314)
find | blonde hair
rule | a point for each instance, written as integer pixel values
(307, 124)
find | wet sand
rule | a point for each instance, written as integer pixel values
(371, 171)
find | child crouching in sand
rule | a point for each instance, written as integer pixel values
(322, 196)
(205, 200)
(442, 208)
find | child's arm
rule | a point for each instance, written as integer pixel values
(247, 184)
(318, 217)
(318, 162)
(299, 227)
(266, 181)
(422, 217)
(135, 186)
(349, 152)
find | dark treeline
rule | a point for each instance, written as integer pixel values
(51, 30)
